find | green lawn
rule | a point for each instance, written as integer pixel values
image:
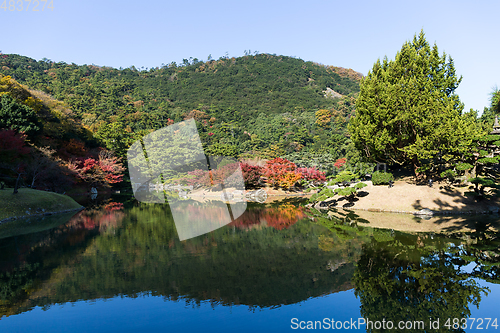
(29, 202)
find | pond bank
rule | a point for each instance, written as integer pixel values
(413, 199)
(415, 208)
(413, 223)
(28, 203)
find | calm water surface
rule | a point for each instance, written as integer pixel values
(123, 269)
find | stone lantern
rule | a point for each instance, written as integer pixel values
(495, 150)
(496, 127)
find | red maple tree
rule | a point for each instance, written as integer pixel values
(12, 145)
(105, 170)
(281, 173)
(340, 162)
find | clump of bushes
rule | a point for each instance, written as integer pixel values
(281, 173)
(278, 172)
(251, 175)
(449, 174)
(312, 175)
(480, 185)
(324, 194)
(382, 178)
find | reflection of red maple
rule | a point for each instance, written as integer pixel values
(284, 216)
(247, 220)
(277, 217)
(103, 219)
(114, 206)
(204, 213)
(75, 231)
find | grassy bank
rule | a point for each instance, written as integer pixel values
(31, 202)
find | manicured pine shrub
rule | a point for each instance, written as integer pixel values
(324, 194)
(342, 177)
(381, 178)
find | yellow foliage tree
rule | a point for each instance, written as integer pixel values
(323, 117)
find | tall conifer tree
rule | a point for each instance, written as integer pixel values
(407, 110)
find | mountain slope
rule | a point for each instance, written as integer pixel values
(255, 103)
(249, 85)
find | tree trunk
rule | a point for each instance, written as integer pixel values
(17, 183)
(416, 165)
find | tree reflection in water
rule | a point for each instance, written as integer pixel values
(27, 261)
(418, 277)
(271, 256)
(280, 217)
(413, 280)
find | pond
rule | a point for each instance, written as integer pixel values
(279, 267)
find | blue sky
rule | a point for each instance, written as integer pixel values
(341, 33)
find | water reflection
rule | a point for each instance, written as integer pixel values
(273, 255)
(279, 217)
(107, 218)
(417, 279)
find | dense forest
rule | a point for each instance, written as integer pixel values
(257, 106)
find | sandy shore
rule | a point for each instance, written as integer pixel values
(437, 223)
(403, 197)
(408, 198)
(394, 208)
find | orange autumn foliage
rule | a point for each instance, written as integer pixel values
(281, 173)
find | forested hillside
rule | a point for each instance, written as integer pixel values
(256, 104)
(43, 144)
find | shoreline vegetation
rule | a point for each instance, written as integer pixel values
(402, 198)
(409, 207)
(30, 203)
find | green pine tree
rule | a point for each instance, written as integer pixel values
(407, 111)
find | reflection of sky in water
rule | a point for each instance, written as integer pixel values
(488, 308)
(154, 314)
